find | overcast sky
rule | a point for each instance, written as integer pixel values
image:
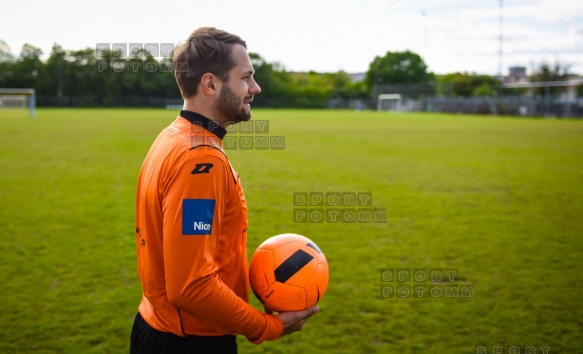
(321, 35)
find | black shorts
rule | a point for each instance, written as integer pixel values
(147, 340)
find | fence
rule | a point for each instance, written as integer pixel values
(518, 106)
(558, 99)
(527, 106)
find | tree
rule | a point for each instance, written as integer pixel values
(55, 72)
(6, 65)
(28, 69)
(399, 72)
(546, 73)
(275, 82)
(466, 85)
(344, 88)
(5, 52)
(397, 68)
(264, 74)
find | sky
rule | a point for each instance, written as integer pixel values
(322, 35)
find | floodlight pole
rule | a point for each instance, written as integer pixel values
(501, 40)
(424, 89)
(500, 52)
(424, 14)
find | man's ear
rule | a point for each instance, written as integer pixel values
(210, 84)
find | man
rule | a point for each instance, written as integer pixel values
(191, 214)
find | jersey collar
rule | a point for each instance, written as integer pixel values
(204, 122)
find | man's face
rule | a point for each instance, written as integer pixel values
(234, 101)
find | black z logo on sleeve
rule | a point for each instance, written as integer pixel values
(202, 168)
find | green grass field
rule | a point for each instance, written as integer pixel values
(500, 200)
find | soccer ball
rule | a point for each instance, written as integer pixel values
(288, 272)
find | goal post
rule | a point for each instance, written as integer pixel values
(18, 98)
(389, 102)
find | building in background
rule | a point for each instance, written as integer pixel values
(516, 74)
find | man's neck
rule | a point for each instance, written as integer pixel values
(203, 109)
(202, 121)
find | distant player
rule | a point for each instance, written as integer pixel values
(191, 214)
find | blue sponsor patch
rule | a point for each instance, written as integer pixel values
(197, 216)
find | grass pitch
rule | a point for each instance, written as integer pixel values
(496, 199)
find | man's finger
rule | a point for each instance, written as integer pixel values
(309, 312)
(305, 314)
(289, 318)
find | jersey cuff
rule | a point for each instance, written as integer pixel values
(273, 329)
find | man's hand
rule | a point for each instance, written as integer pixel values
(293, 321)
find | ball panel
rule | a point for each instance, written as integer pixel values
(292, 265)
(316, 287)
(303, 276)
(321, 258)
(282, 297)
(314, 246)
(261, 272)
(283, 252)
(282, 240)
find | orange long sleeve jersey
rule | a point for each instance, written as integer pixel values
(191, 235)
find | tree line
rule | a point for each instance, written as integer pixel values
(89, 78)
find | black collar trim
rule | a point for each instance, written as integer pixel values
(204, 122)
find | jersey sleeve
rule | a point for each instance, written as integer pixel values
(194, 202)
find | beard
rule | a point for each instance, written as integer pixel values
(229, 105)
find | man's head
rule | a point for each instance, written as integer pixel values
(207, 50)
(216, 63)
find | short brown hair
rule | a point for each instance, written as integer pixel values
(207, 50)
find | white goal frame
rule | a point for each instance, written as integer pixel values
(384, 97)
(28, 93)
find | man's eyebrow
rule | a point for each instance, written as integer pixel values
(249, 72)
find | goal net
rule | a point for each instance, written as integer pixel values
(389, 102)
(18, 99)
